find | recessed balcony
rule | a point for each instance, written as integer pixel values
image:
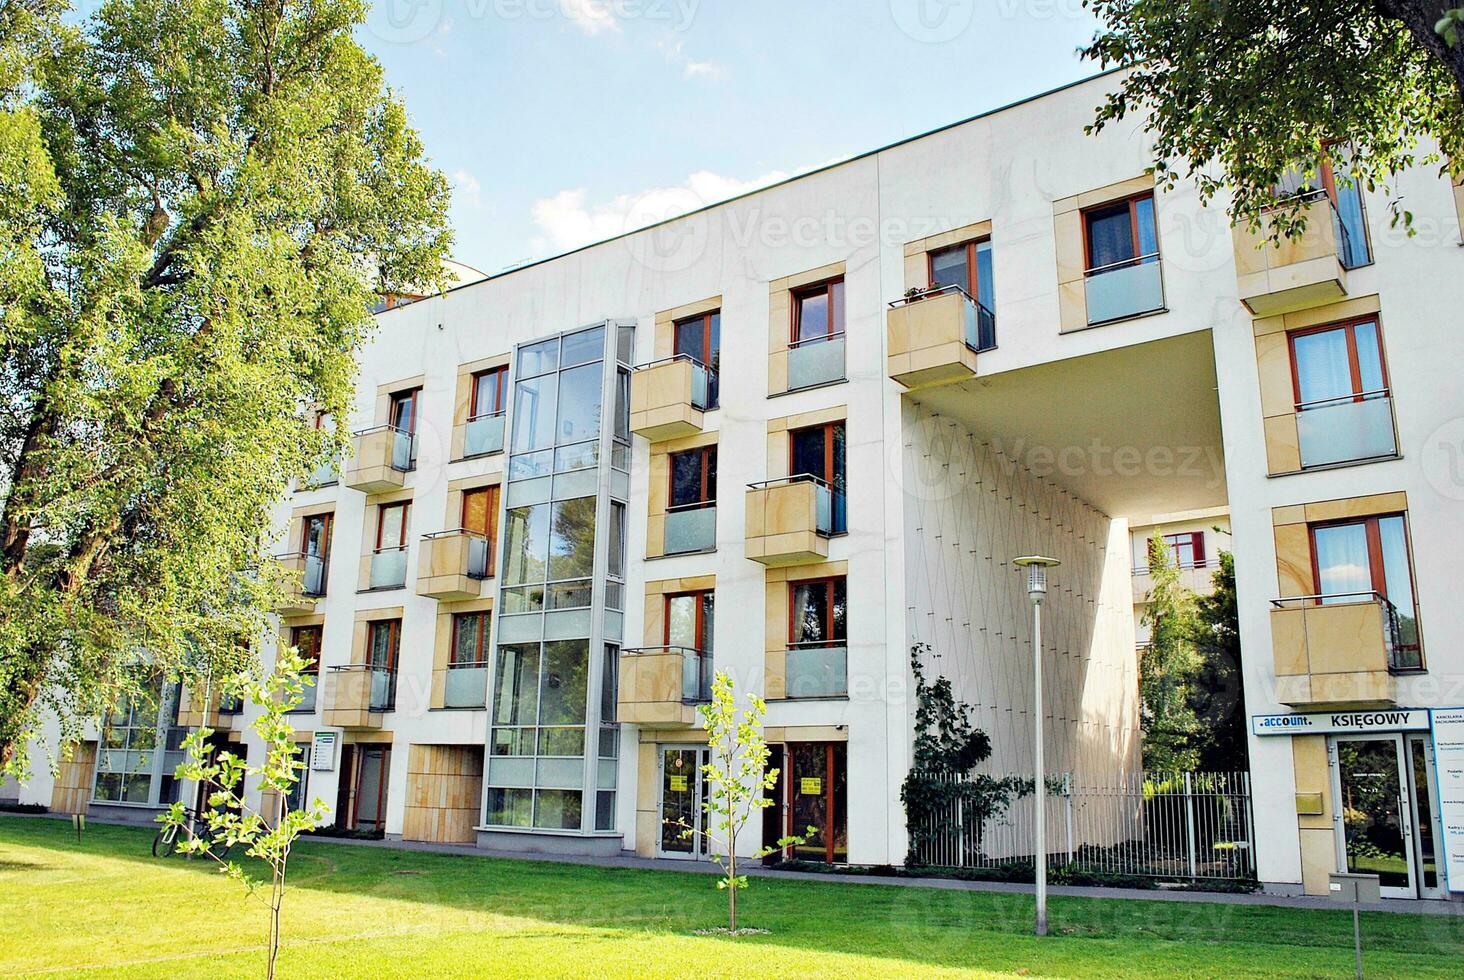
(1337, 650)
(668, 397)
(357, 695)
(1298, 272)
(661, 686)
(790, 520)
(380, 459)
(308, 587)
(452, 565)
(934, 336)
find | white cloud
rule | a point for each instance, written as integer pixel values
(466, 189)
(591, 16)
(691, 68)
(568, 219)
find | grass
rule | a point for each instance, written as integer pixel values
(106, 907)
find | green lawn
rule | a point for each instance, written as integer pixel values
(107, 906)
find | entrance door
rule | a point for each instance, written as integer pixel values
(683, 791)
(1371, 811)
(1424, 792)
(817, 798)
(371, 779)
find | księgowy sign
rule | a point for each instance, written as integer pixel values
(1333, 722)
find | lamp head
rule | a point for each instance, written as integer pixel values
(1036, 566)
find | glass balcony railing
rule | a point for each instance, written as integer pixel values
(389, 568)
(309, 683)
(403, 449)
(817, 669)
(1124, 289)
(324, 475)
(691, 528)
(1338, 430)
(484, 434)
(815, 361)
(466, 685)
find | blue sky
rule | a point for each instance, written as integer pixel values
(558, 119)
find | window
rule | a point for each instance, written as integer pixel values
(1353, 559)
(1187, 549)
(689, 618)
(391, 526)
(315, 546)
(490, 393)
(1348, 218)
(616, 562)
(817, 613)
(1340, 385)
(700, 337)
(694, 477)
(128, 749)
(307, 640)
(818, 312)
(969, 267)
(383, 647)
(1122, 233)
(403, 412)
(470, 639)
(480, 516)
(819, 451)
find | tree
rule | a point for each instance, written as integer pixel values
(267, 834)
(1167, 667)
(1218, 697)
(1236, 92)
(940, 781)
(199, 200)
(739, 779)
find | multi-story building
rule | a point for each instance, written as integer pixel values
(1193, 542)
(734, 441)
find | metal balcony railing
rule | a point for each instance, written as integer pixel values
(1123, 289)
(1346, 428)
(703, 379)
(380, 694)
(979, 327)
(831, 505)
(403, 455)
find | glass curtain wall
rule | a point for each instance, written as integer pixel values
(553, 743)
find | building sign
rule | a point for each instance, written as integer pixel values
(323, 751)
(1342, 722)
(810, 786)
(678, 784)
(1448, 746)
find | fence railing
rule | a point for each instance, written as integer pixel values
(1183, 826)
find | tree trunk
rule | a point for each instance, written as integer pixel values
(1420, 16)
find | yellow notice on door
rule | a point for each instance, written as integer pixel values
(810, 786)
(678, 784)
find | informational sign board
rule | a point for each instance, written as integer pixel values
(678, 784)
(1448, 746)
(323, 751)
(810, 786)
(1342, 722)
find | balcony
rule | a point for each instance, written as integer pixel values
(1124, 289)
(1337, 650)
(380, 459)
(483, 434)
(465, 685)
(324, 475)
(451, 565)
(815, 361)
(668, 397)
(817, 669)
(309, 685)
(661, 686)
(310, 586)
(220, 711)
(1300, 272)
(934, 336)
(1347, 429)
(1198, 577)
(388, 568)
(691, 528)
(358, 695)
(789, 521)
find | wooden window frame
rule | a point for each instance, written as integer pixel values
(1377, 571)
(1133, 214)
(380, 820)
(1197, 547)
(703, 500)
(381, 509)
(705, 320)
(491, 490)
(312, 667)
(500, 392)
(1354, 363)
(484, 628)
(973, 275)
(328, 519)
(414, 395)
(830, 581)
(828, 439)
(394, 641)
(700, 595)
(804, 292)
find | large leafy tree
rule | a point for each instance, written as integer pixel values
(1168, 666)
(1236, 92)
(1219, 688)
(198, 201)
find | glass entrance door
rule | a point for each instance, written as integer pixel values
(817, 798)
(1424, 793)
(1371, 811)
(683, 791)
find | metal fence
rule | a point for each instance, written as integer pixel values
(1182, 826)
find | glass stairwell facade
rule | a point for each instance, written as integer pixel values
(553, 741)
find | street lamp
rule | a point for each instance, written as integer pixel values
(1037, 566)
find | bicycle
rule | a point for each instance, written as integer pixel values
(165, 842)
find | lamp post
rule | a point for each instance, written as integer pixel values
(1037, 566)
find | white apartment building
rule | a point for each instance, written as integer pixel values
(728, 441)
